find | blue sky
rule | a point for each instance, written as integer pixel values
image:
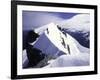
(34, 19)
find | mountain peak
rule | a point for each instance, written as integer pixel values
(53, 42)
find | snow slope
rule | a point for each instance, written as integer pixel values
(54, 37)
(82, 59)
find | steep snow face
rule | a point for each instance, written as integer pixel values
(63, 42)
(54, 37)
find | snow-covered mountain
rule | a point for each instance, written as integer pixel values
(77, 26)
(59, 46)
(53, 41)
